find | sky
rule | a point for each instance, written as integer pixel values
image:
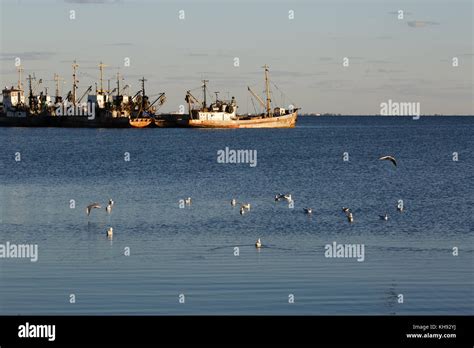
(404, 60)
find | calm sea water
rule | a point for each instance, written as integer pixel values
(191, 251)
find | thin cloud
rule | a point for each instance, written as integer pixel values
(421, 24)
(120, 44)
(93, 1)
(28, 55)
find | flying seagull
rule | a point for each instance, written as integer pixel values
(389, 158)
(92, 206)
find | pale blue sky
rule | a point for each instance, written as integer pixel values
(403, 60)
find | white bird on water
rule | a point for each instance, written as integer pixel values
(110, 232)
(109, 206)
(242, 211)
(308, 210)
(246, 206)
(233, 202)
(350, 217)
(92, 206)
(288, 197)
(384, 217)
(187, 201)
(258, 244)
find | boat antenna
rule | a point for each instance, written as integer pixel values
(216, 93)
(267, 89)
(204, 91)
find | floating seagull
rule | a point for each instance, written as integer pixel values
(242, 211)
(384, 217)
(308, 210)
(108, 208)
(350, 218)
(233, 202)
(258, 244)
(92, 206)
(389, 158)
(288, 197)
(111, 202)
(110, 232)
(187, 201)
(279, 197)
(246, 206)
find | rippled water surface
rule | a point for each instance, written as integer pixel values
(190, 251)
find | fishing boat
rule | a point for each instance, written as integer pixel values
(223, 113)
(143, 114)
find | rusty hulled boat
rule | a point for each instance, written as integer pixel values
(223, 113)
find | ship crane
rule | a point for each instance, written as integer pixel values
(161, 98)
(260, 101)
(267, 105)
(87, 91)
(190, 99)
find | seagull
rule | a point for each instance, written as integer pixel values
(111, 202)
(308, 210)
(233, 202)
(346, 210)
(279, 197)
(242, 211)
(389, 158)
(246, 206)
(350, 218)
(400, 208)
(110, 232)
(384, 217)
(187, 201)
(258, 244)
(108, 208)
(92, 206)
(288, 197)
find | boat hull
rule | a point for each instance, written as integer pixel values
(285, 121)
(63, 122)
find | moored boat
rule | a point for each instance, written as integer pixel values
(223, 113)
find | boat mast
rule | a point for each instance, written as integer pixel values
(101, 68)
(118, 83)
(142, 80)
(204, 91)
(56, 80)
(19, 69)
(31, 97)
(74, 82)
(267, 89)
